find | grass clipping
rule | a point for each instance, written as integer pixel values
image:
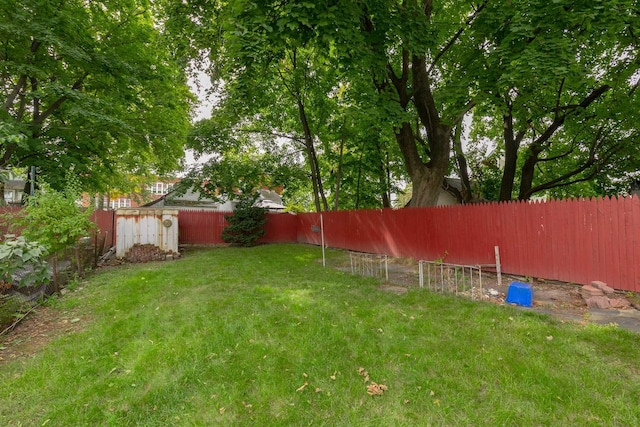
(373, 389)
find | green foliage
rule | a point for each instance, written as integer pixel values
(559, 81)
(246, 224)
(90, 85)
(564, 74)
(17, 254)
(241, 160)
(54, 218)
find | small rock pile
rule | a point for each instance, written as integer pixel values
(599, 295)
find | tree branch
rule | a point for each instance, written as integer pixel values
(39, 119)
(559, 119)
(456, 36)
(592, 161)
(22, 81)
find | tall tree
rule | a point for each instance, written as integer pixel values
(411, 49)
(552, 82)
(90, 85)
(559, 79)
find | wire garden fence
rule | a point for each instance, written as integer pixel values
(471, 281)
(365, 264)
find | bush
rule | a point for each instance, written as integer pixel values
(22, 262)
(54, 219)
(246, 224)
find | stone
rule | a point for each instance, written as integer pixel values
(603, 287)
(589, 291)
(620, 303)
(598, 302)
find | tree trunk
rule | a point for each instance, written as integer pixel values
(359, 179)
(385, 178)
(79, 263)
(527, 173)
(316, 179)
(511, 145)
(336, 201)
(461, 160)
(426, 180)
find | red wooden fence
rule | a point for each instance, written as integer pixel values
(205, 227)
(570, 240)
(5, 221)
(201, 227)
(106, 227)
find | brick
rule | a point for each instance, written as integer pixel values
(598, 302)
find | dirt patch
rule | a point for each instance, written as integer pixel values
(35, 331)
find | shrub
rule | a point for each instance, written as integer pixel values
(246, 224)
(22, 262)
(54, 219)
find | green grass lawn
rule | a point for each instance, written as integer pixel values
(266, 336)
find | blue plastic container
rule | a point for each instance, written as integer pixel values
(520, 293)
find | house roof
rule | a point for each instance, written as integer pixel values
(15, 184)
(189, 198)
(267, 199)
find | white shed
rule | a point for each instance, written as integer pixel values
(158, 227)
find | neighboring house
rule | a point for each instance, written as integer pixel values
(13, 191)
(192, 200)
(153, 191)
(270, 200)
(450, 192)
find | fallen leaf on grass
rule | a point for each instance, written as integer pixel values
(303, 386)
(375, 389)
(222, 410)
(364, 373)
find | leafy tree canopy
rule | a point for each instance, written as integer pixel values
(93, 86)
(366, 86)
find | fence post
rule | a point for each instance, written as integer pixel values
(498, 269)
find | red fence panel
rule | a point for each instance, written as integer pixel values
(570, 240)
(201, 227)
(106, 227)
(280, 228)
(5, 223)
